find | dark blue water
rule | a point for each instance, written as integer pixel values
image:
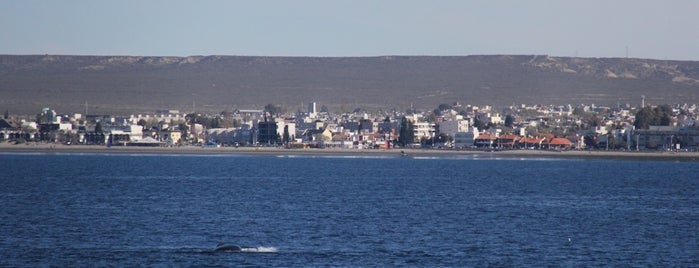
(142, 210)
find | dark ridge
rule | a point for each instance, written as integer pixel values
(127, 85)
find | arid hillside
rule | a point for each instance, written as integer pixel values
(127, 85)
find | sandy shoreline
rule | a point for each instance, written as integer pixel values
(60, 148)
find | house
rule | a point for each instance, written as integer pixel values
(338, 140)
(340, 137)
(485, 140)
(507, 141)
(530, 143)
(169, 134)
(7, 128)
(559, 144)
(317, 135)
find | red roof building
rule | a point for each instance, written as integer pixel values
(485, 140)
(560, 143)
(507, 141)
(530, 142)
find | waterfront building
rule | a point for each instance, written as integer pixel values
(452, 127)
(485, 140)
(267, 132)
(464, 140)
(667, 137)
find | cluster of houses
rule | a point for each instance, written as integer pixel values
(451, 127)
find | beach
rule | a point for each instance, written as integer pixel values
(6, 147)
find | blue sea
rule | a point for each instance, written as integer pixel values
(96, 210)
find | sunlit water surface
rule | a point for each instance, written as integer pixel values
(166, 210)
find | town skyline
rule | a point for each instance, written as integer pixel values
(449, 126)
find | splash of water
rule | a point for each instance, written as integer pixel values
(259, 249)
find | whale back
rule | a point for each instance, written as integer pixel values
(227, 247)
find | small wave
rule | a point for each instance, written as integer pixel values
(259, 249)
(330, 155)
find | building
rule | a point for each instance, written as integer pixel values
(485, 140)
(423, 130)
(267, 132)
(667, 137)
(312, 111)
(452, 127)
(530, 143)
(559, 144)
(507, 141)
(463, 140)
(314, 135)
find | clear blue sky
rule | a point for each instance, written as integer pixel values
(662, 29)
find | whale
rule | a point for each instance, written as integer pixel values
(223, 247)
(229, 247)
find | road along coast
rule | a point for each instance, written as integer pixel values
(6, 147)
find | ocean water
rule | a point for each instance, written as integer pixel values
(95, 210)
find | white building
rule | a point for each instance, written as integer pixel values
(312, 111)
(135, 132)
(281, 123)
(423, 129)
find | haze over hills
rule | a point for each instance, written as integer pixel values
(128, 84)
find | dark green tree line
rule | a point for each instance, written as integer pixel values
(407, 136)
(658, 116)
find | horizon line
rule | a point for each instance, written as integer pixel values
(367, 56)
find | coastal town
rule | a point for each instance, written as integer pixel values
(452, 126)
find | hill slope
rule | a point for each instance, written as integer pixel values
(126, 85)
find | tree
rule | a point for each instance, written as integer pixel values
(590, 141)
(658, 116)
(273, 109)
(98, 127)
(184, 128)
(443, 138)
(426, 141)
(594, 121)
(142, 123)
(644, 118)
(532, 131)
(285, 137)
(236, 123)
(479, 124)
(432, 118)
(509, 120)
(558, 132)
(192, 118)
(323, 109)
(407, 136)
(444, 107)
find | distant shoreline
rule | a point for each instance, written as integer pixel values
(193, 150)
